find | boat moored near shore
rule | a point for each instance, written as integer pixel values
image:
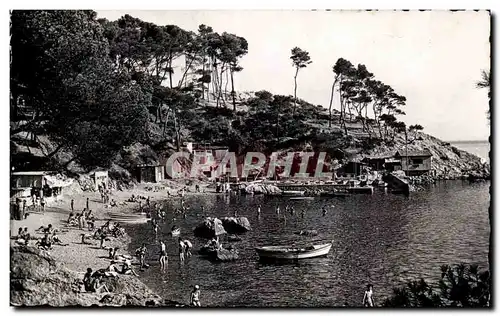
(293, 253)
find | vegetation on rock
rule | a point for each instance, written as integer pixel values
(459, 286)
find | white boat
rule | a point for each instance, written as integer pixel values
(176, 232)
(293, 253)
(302, 198)
(294, 193)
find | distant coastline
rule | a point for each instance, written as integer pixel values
(468, 141)
(480, 148)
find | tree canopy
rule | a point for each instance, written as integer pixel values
(95, 87)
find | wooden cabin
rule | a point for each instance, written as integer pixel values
(385, 162)
(48, 184)
(27, 183)
(415, 162)
(150, 173)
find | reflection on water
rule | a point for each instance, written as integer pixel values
(380, 239)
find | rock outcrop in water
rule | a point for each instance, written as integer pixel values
(261, 188)
(209, 228)
(37, 279)
(214, 253)
(236, 225)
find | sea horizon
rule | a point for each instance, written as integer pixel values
(469, 141)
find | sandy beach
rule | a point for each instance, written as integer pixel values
(76, 256)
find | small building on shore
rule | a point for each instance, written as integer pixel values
(27, 183)
(100, 179)
(48, 184)
(385, 162)
(415, 162)
(210, 157)
(353, 168)
(150, 173)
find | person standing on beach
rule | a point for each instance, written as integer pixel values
(368, 297)
(24, 205)
(142, 255)
(72, 205)
(163, 255)
(195, 296)
(87, 204)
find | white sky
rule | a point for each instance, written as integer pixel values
(434, 58)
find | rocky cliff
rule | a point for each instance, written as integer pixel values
(37, 279)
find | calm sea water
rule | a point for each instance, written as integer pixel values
(382, 239)
(478, 148)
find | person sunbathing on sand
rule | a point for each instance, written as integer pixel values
(45, 243)
(46, 230)
(91, 223)
(96, 285)
(127, 268)
(84, 239)
(111, 270)
(112, 253)
(71, 218)
(104, 238)
(23, 236)
(87, 280)
(56, 240)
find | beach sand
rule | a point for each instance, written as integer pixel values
(76, 256)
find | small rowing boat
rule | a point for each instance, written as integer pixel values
(293, 193)
(293, 253)
(302, 198)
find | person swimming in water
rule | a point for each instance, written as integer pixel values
(195, 296)
(368, 297)
(163, 255)
(155, 228)
(187, 247)
(182, 248)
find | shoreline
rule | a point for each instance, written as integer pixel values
(74, 258)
